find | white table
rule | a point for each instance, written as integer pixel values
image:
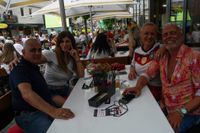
(143, 116)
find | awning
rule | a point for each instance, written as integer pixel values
(9, 4)
(112, 15)
(74, 8)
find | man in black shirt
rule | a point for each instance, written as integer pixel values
(33, 105)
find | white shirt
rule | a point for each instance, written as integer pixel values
(196, 36)
(18, 48)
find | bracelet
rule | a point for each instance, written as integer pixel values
(178, 110)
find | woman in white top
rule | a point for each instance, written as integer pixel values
(62, 64)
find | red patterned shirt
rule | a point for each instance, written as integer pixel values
(185, 80)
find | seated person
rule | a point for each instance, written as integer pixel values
(8, 54)
(143, 56)
(101, 48)
(180, 75)
(62, 65)
(31, 100)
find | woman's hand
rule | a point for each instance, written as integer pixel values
(13, 63)
(132, 74)
(74, 54)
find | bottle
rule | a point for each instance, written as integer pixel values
(84, 50)
(117, 80)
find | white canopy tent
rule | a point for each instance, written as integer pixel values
(99, 16)
(10, 4)
(83, 7)
(80, 7)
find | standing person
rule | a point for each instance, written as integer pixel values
(180, 75)
(82, 38)
(143, 56)
(2, 38)
(62, 64)
(31, 100)
(18, 45)
(134, 33)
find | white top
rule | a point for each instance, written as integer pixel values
(196, 36)
(6, 67)
(142, 60)
(144, 114)
(96, 55)
(18, 48)
(53, 74)
(82, 37)
(2, 38)
(24, 39)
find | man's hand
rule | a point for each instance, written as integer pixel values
(13, 63)
(132, 74)
(160, 53)
(174, 119)
(134, 90)
(62, 113)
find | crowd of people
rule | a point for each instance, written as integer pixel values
(171, 70)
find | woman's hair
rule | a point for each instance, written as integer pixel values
(101, 44)
(62, 62)
(8, 53)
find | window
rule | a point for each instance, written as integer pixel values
(22, 11)
(176, 13)
(30, 11)
(185, 13)
(193, 22)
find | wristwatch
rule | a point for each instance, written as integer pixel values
(183, 111)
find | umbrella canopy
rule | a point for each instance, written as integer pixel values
(112, 15)
(80, 7)
(10, 4)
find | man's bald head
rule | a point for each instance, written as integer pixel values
(32, 51)
(30, 42)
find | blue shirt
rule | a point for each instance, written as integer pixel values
(29, 73)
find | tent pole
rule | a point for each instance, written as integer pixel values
(62, 14)
(7, 6)
(91, 21)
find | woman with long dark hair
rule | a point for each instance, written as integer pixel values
(62, 64)
(101, 48)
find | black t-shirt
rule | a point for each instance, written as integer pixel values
(28, 73)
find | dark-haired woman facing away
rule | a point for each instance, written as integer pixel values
(101, 48)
